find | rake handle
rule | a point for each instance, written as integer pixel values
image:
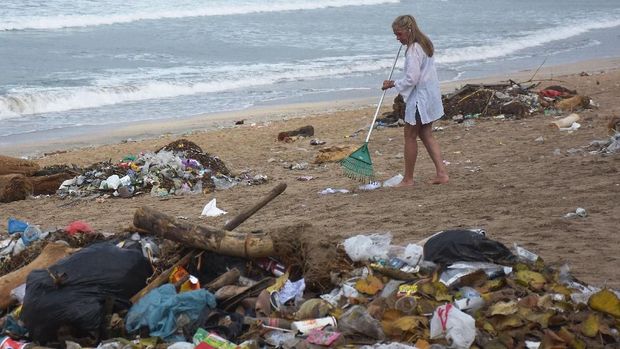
(372, 125)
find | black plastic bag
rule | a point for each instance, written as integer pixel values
(451, 246)
(71, 295)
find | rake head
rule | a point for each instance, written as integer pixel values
(358, 165)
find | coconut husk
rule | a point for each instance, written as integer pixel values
(14, 187)
(10, 165)
(573, 103)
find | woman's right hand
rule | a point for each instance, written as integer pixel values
(387, 84)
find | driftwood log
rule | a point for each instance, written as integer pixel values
(244, 215)
(10, 165)
(232, 224)
(50, 254)
(14, 187)
(203, 237)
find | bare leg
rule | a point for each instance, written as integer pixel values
(432, 146)
(411, 153)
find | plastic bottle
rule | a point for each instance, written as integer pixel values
(406, 304)
(271, 265)
(394, 181)
(32, 233)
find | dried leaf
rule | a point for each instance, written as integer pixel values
(590, 327)
(405, 324)
(606, 302)
(571, 339)
(279, 283)
(370, 285)
(502, 322)
(552, 340)
(442, 294)
(531, 279)
(530, 301)
(488, 327)
(503, 308)
(540, 318)
(492, 285)
(422, 344)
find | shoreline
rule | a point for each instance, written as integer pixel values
(82, 137)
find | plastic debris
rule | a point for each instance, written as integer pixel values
(211, 210)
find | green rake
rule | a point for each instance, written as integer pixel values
(358, 165)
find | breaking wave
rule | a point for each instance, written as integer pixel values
(512, 45)
(132, 86)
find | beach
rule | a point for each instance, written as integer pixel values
(515, 178)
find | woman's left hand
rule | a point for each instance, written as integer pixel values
(387, 84)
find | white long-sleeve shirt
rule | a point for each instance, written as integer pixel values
(420, 86)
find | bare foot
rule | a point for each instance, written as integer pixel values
(440, 179)
(405, 184)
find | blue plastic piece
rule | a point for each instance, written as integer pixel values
(16, 226)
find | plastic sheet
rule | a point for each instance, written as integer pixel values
(366, 247)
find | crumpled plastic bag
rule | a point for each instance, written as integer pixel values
(159, 309)
(210, 209)
(366, 247)
(454, 325)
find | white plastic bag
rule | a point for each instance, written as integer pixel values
(454, 325)
(210, 209)
(365, 247)
(413, 254)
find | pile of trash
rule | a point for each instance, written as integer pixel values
(510, 100)
(179, 168)
(455, 289)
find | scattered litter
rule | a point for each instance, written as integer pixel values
(78, 227)
(566, 122)
(333, 191)
(300, 166)
(394, 181)
(210, 209)
(573, 127)
(579, 212)
(316, 142)
(370, 186)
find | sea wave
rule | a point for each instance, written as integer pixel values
(132, 86)
(509, 46)
(223, 9)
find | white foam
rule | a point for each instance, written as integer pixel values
(511, 45)
(222, 9)
(139, 85)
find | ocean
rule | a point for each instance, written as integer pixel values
(71, 65)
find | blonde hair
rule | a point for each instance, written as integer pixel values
(407, 22)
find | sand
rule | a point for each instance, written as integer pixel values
(504, 178)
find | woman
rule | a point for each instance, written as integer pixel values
(420, 90)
